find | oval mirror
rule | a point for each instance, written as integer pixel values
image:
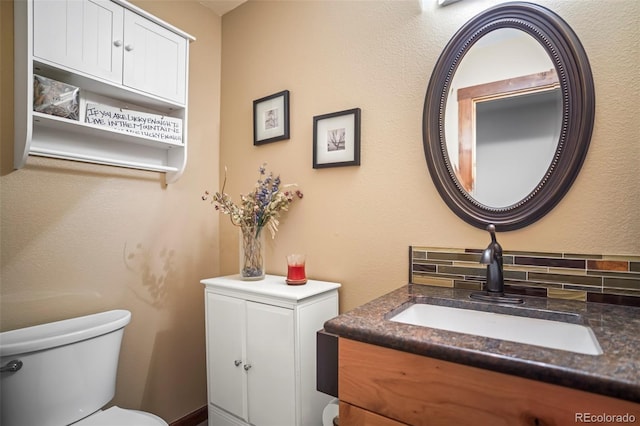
(508, 116)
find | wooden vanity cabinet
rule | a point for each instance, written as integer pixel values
(379, 386)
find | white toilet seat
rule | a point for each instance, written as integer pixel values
(116, 416)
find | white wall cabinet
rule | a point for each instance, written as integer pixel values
(119, 56)
(154, 58)
(261, 350)
(85, 36)
(105, 40)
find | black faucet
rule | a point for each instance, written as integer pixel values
(492, 257)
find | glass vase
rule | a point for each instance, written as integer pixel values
(252, 249)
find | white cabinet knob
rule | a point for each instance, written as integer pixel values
(117, 43)
(128, 47)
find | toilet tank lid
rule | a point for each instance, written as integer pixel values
(53, 334)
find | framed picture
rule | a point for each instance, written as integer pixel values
(336, 139)
(271, 118)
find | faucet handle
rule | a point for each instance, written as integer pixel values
(491, 228)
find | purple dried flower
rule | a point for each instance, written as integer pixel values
(259, 208)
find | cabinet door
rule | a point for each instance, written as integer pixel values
(226, 336)
(83, 35)
(154, 58)
(270, 352)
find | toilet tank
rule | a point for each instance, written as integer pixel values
(68, 369)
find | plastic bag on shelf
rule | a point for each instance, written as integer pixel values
(55, 98)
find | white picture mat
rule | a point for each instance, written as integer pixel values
(261, 109)
(323, 155)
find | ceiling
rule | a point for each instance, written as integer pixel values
(221, 7)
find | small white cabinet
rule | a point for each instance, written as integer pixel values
(261, 350)
(119, 56)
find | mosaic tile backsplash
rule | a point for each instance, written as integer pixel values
(585, 277)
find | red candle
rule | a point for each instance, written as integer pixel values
(295, 269)
(296, 272)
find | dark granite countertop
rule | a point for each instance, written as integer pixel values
(616, 373)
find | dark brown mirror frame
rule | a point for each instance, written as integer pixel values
(578, 109)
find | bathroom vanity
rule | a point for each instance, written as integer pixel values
(261, 349)
(393, 373)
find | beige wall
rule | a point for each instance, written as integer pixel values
(356, 223)
(79, 238)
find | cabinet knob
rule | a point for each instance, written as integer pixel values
(117, 43)
(128, 47)
(237, 362)
(247, 367)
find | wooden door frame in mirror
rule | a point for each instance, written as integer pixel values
(468, 100)
(578, 111)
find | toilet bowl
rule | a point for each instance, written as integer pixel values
(64, 373)
(118, 416)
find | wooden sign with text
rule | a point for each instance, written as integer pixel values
(154, 126)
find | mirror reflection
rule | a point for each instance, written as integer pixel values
(503, 117)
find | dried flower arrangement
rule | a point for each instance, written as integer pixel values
(259, 208)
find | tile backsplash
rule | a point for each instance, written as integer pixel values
(586, 277)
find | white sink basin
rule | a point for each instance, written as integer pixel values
(533, 331)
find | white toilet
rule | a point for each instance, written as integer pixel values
(64, 372)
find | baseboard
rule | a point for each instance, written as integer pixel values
(192, 419)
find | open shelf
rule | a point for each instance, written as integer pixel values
(91, 131)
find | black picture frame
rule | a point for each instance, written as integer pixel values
(336, 139)
(271, 118)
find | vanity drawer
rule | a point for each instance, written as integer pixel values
(419, 390)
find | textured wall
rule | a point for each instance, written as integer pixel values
(356, 223)
(80, 238)
(76, 238)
